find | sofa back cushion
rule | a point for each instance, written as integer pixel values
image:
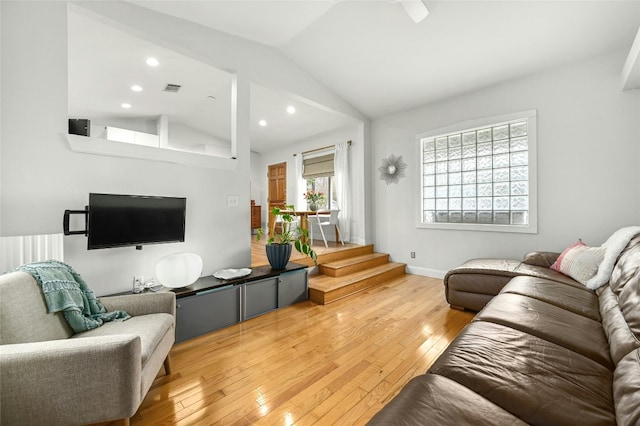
(619, 303)
(626, 389)
(23, 312)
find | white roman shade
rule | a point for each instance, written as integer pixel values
(318, 166)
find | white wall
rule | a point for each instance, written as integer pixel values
(41, 176)
(258, 180)
(588, 174)
(190, 139)
(357, 172)
(260, 64)
(99, 124)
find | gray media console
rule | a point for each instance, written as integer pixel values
(210, 303)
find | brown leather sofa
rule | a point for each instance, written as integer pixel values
(545, 351)
(475, 282)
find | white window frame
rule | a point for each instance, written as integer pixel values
(532, 226)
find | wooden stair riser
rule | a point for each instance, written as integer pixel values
(335, 256)
(324, 298)
(340, 271)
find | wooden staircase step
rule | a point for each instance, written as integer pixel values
(332, 256)
(350, 265)
(324, 289)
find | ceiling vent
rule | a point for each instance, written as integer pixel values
(173, 88)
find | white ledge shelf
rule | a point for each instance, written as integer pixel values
(97, 146)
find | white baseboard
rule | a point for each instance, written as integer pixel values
(358, 241)
(427, 272)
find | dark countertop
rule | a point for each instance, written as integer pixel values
(210, 282)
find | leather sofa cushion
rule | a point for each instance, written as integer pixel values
(427, 400)
(151, 328)
(479, 283)
(626, 266)
(626, 389)
(508, 268)
(621, 338)
(625, 284)
(467, 300)
(488, 276)
(537, 381)
(578, 300)
(572, 331)
(540, 258)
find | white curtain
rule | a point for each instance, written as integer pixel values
(300, 186)
(341, 181)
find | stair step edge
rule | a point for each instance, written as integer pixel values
(322, 280)
(353, 260)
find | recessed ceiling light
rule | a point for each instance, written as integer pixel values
(152, 62)
(126, 106)
(262, 123)
(136, 88)
(291, 109)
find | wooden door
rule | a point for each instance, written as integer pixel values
(277, 175)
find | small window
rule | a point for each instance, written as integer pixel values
(325, 185)
(480, 175)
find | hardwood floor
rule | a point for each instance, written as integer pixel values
(308, 364)
(259, 257)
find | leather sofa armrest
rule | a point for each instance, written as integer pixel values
(540, 258)
(142, 304)
(70, 381)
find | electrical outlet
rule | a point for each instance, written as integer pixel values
(138, 283)
(413, 254)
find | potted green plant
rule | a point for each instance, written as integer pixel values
(278, 247)
(314, 198)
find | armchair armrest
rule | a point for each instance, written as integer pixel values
(70, 381)
(142, 304)
(540, 258)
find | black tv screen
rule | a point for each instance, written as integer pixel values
(134, 220)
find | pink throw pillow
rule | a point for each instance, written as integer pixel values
(579, 261)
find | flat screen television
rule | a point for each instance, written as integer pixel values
(134, 220)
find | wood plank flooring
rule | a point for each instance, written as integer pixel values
(259, 257)
(308, 364)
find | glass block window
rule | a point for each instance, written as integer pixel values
(478, 175)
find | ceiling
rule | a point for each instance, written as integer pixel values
(375, 57)
(105, 62)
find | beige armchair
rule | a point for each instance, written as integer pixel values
(48, 375)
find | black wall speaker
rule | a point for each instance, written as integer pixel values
(79, 126)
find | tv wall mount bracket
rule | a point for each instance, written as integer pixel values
(65, 221)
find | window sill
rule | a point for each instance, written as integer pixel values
(519, 229)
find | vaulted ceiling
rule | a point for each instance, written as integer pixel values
(376, 58)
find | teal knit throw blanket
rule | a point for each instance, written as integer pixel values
(65, 290)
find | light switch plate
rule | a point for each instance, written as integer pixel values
(232, 201)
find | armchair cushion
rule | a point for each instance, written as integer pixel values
(150, 328)
(142, 304)
(65, 291)
(17, 326)
(70, 381)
